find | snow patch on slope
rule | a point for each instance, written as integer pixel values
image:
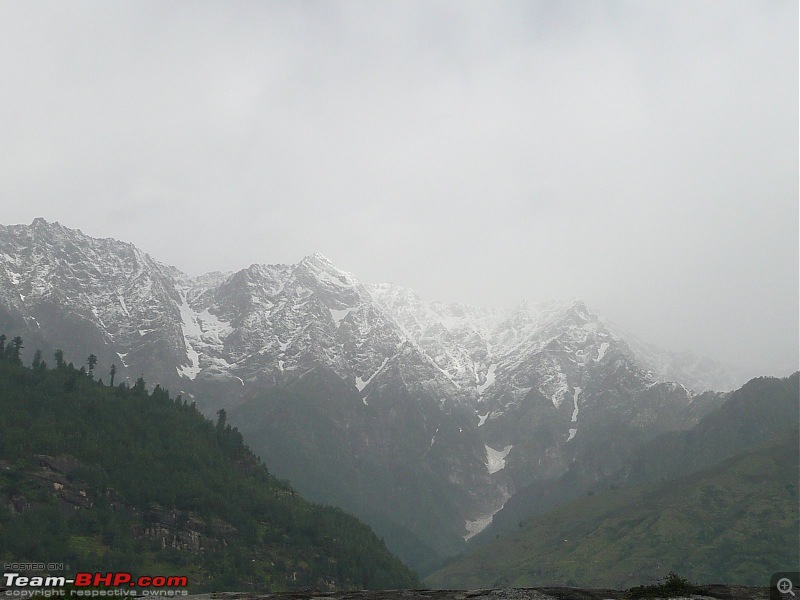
(338, 315)
(201, 329)
(490, 377)
(433, 439)
(214, 330)
(478, 525)
(575, 410)
(123, 305)
(601, 351)
(496, 459)
(475, 527)
(362, 383)
(561, 390)
(191, 330)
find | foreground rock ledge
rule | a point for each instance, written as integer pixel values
(719, 592)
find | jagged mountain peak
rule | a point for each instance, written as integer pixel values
(317, 258)
(579, 308)
(40, 224)
(461, 388)
(272, 320)
(551, 310)
(45, 241)
(463, 341)
(324, 271)
(41, 229)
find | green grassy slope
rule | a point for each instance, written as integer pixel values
(108, 478)
(735, 522)
(761, 409)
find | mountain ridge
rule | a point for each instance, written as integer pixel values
(491, 401)
(194, 286)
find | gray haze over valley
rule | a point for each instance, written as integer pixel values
(641, 157)
(442, 426)
(505, 281)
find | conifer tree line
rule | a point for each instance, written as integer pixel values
(12, 350)
(142, 458)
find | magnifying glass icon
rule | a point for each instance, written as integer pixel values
(785, 587)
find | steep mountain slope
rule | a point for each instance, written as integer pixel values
(423, 418)
(376, 461)
(761, 409)
(122, 479)
(547, 383)
(88, 295)
(734, 522)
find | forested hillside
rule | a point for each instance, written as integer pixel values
(106, 477)
(744, 419)
(732, 522)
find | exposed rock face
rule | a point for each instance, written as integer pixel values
(175, 529)
(182, 530)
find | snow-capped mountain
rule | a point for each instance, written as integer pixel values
(545, 382)
(420, 417)
(62, 289)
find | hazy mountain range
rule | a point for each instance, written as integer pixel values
(422, 418)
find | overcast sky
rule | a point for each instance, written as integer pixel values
(641, 156)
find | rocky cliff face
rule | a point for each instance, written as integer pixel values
(56, 476)
(423, 418)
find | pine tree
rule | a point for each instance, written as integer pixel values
(92, 361)
(139, 386)
(59, 356)
(113, 372)
(15, 348)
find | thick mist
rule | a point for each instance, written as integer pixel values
(640, 156)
